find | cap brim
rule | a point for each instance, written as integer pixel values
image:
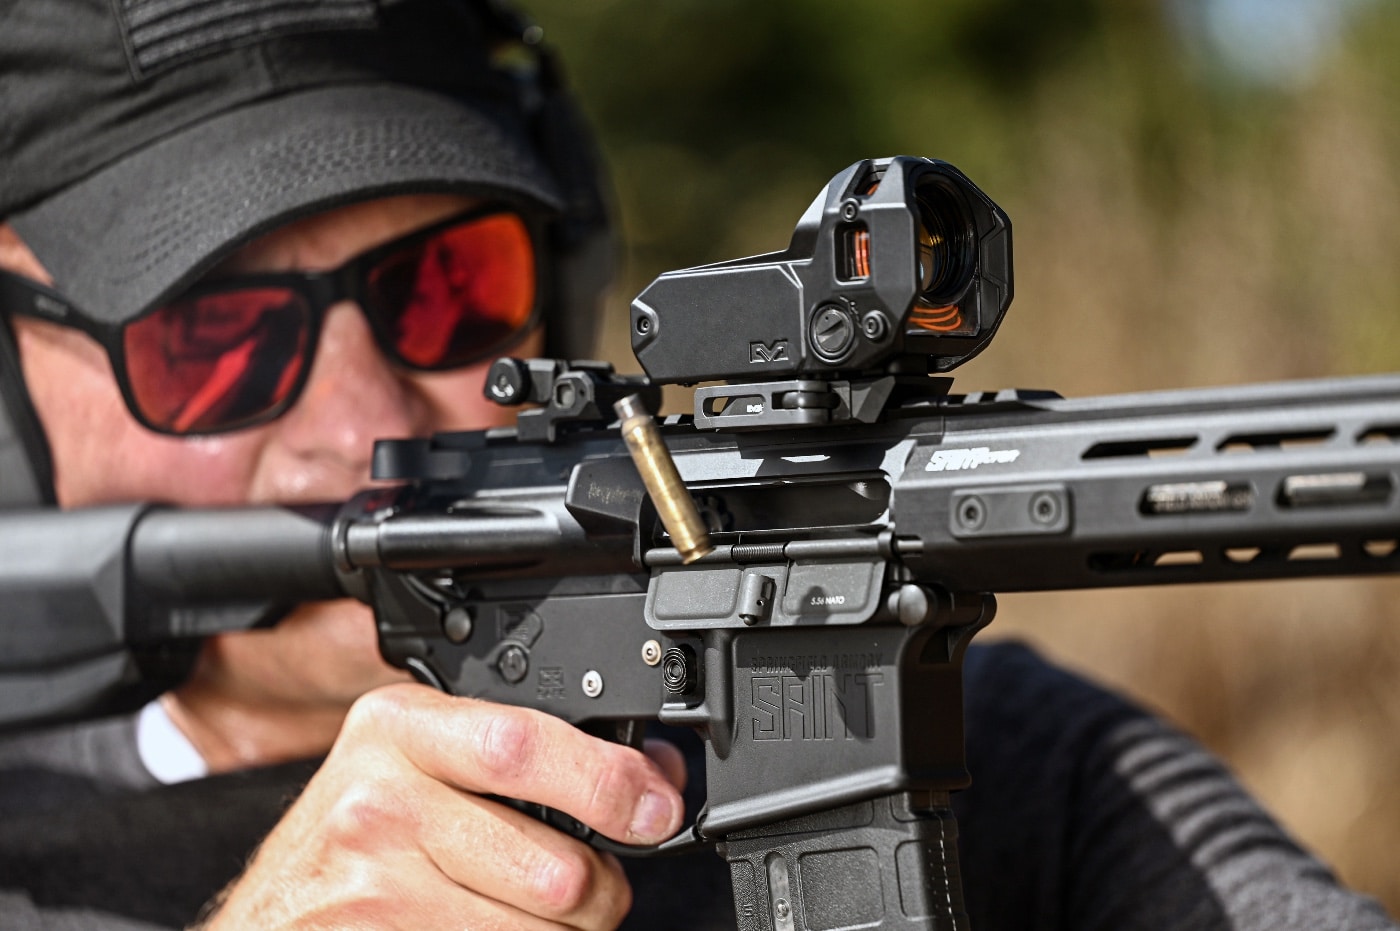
(141, 230)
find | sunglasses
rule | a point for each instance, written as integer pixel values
(236, 352)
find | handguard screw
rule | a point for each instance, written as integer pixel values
(1045, 508)
(972, 513)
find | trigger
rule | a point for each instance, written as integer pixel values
(629, 732)
(424, 673)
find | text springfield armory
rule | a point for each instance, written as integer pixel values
(839, 522)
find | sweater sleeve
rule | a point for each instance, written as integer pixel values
(18, 913)
(64, 764)
(92, 841)
(1088, 813)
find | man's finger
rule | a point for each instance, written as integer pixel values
(672, 762)
(483, 747)
(526, 864)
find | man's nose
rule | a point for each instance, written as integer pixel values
(353, 397)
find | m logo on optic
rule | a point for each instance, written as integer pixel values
(764, 352)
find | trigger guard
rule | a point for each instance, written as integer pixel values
(687, 840)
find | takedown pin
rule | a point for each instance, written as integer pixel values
(658, 470)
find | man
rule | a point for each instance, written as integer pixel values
(179, 178)
(251, 700)
(293, 102)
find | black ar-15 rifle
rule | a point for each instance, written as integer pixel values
(854, 519)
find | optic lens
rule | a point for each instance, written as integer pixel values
(946, 258)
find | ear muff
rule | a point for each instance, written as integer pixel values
(26, 467)
(584, 247)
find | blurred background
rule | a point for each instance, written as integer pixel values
(1203, 192)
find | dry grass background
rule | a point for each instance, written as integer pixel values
(1158, 247)
(1274, 263)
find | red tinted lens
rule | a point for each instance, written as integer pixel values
(217, 361)
(455, 297)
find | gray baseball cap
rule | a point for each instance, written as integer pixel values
(144, 140)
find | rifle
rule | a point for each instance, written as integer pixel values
(853, 521)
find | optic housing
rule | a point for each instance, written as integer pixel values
(899, 265)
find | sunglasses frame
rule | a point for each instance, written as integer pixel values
(321, 290)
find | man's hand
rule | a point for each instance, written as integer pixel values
(392, 831)
(267, 696)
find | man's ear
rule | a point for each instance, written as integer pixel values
(26, 466)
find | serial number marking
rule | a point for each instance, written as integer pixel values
(801, 664)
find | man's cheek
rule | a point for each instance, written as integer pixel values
(123, 461)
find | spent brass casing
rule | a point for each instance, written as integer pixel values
(658, 470)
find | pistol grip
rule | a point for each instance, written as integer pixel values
(889, 863)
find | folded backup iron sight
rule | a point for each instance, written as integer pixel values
(900, 268)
